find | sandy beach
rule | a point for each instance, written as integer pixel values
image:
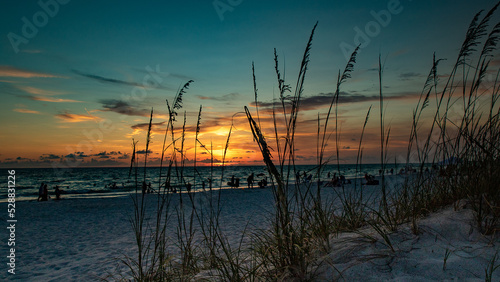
(85, 239)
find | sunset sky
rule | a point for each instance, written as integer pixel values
(78, 79)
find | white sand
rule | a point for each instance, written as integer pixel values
(83, 239)
(419, 258)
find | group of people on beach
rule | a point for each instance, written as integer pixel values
(43, 192)
(303, 176)
(235, 181)
(337, 181)
(112, 185)
(391, 171)
(370, 179)
(146, 188)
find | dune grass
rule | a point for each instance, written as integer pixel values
(461, 150)
(465, 154)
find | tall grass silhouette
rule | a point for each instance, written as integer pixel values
(461, 151)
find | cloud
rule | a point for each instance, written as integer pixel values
(209, 161)
(323, 100)
(37, 91)
(106, 79)
(26, 111)
(103, 162)
(142, 152)
(100, 154)
(49, 99)
(9, 71)
(49, 157)
(145, 126)
(409, 76)
(22, 159)
(118, 81)
(167, 74)
(106, 155)
(123, 108)
(76, 155)
(45, 160)
(224, 98)
(41, 95)
(67, 117)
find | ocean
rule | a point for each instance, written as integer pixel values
(115, 181)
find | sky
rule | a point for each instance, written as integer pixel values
(78, 79)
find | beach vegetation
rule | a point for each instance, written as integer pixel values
(452, 160)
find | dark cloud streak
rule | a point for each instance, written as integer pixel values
(117, 81)
(324, 100)
(145, 126)
(224, 98)
(105, 79)
(409, 76)
(122, 107)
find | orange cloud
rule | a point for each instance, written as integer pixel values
(53, 100)
(67, 117)
(41, 95)
(38, 91)
(9, 71)
(26, 111)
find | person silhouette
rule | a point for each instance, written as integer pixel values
(40, 192)
(45, 194)
(57, 192)
(250, 180)
(232, 183)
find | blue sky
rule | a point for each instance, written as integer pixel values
(90, 55)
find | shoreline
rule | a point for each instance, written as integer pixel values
(88, 181)
(124, 193)
(85, 239)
